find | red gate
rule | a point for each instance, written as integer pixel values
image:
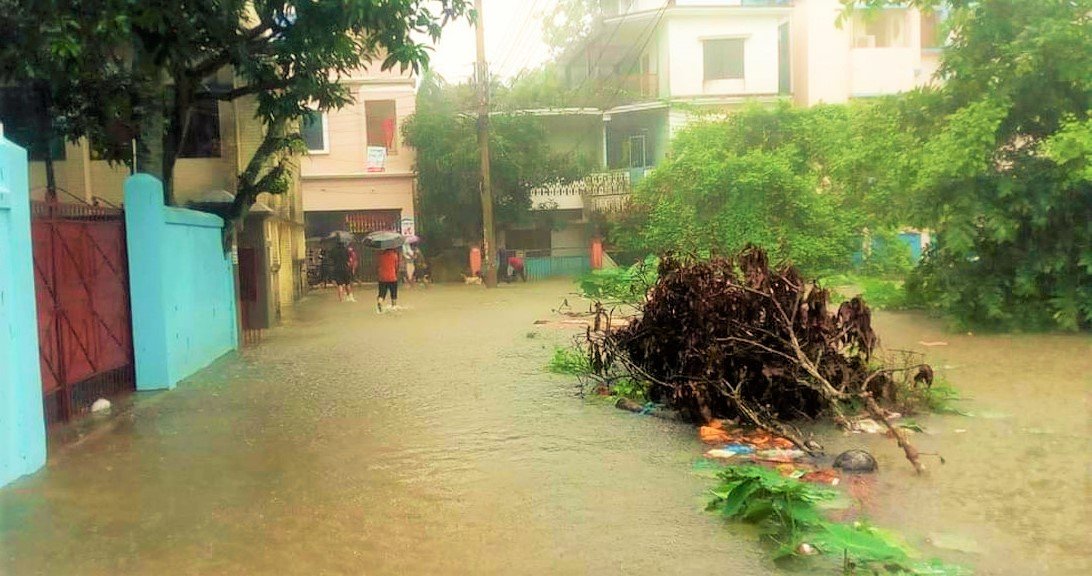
(82, 287)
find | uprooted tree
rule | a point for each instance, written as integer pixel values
(733, 338)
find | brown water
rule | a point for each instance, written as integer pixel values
(430, 441)
(423, 442)
(1013, 497)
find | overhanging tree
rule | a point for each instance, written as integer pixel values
(444, 134)
(288, 55)
(1003, 175)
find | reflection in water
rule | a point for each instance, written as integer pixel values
(1013, 495)
(430, 441)
(423, 442)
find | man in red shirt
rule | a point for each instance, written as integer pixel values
(388, 277)
(518, 268)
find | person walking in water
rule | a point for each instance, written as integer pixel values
(409, 255)
(388, 277)
(343, 278)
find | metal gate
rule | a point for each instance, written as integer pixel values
(82, 288)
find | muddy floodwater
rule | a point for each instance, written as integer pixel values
(1013, 495)
(430, 441)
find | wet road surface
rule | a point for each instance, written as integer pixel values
(427, 441)
(430, 441)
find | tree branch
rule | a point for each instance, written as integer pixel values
(241, 91)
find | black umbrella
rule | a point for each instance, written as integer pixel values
(340, 236)
(384, 240)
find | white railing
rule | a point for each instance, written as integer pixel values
(600, 192)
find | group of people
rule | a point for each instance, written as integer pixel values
(394, 264)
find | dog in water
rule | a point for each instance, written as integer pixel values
(472, 279)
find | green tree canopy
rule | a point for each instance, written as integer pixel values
(444, 132)
(168, 56)
(803, 183)
(1003, 174)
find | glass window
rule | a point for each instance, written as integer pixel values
(382, 120)
(882, 29)
(314, 131)
(202, 138)
(723, 59)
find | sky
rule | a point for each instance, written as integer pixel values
(513, 40)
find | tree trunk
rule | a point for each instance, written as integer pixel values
(45, 131)
(175, 131)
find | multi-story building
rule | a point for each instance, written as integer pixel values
(359, 175)
(870, 53)
(652, 66)
(221, 139)
(654, 63)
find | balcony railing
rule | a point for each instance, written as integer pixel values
(602, 192)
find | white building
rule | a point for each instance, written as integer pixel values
(655, 62)
(872, 53)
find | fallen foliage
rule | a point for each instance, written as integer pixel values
(735, 338)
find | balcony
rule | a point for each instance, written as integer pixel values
(640, 86)
(601, 192)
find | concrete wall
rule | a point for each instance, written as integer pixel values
(687, 31)
(181, 287)
(86, 179)
(22, 423)
(337, 179)
(828, 68)
(348, 134)
(359, 193)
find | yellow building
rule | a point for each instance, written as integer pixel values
(221, 140)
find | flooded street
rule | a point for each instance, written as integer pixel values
(1013, 497)
(430, 440)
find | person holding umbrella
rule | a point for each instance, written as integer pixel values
(387, 264)
(340, 259)
(388, 277)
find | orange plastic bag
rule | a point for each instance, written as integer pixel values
(711, 435)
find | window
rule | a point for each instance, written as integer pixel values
(382, 120)
(315, 132)
(883, 29)
(25, 120)
(723, 59)
(637, 152)
(202, 138)
(932, 37)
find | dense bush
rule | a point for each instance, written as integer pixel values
(801, 183)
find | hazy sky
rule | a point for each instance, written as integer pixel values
(513, 40)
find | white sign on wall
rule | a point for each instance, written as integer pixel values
(377, 159)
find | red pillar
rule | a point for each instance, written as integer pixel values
(597, 254)
(475, 261)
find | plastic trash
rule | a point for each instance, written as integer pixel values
(779, 455)
(711, 435)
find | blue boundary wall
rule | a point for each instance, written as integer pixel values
(22, 422)
(539, 268)
(181, 285)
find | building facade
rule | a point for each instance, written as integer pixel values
(221, 139)
(870, 53)
(358, 174)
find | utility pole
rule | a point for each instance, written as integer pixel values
(489, 248)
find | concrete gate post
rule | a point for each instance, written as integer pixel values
(145, 235)
(22, 418)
